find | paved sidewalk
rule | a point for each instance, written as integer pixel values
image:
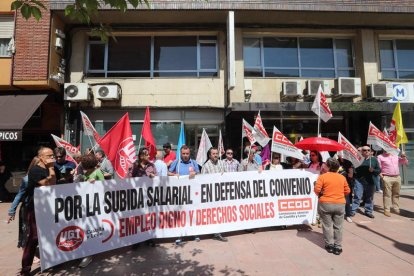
(380, 246)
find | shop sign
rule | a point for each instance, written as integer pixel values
(10, 135)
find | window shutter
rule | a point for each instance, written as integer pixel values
(6, 26)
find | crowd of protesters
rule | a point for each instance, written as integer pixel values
(340, 187)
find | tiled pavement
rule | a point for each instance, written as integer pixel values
(380, 246)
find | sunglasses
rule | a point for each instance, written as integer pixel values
(366, 150)
(59, 156)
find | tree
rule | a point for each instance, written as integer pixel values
(84, 11)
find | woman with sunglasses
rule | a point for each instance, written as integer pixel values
(276, 164)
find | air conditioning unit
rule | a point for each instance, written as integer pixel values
(312, 87)
(380, 91)
(348, 87)
(292, 89)
(76, 92)
(107, 92)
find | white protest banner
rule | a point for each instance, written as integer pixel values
(248, 131)
(82, 219)
(350, 153)
(282, 145)
(320, 106)
(88, 127)
(260, 133)
(205, 145)
(377, 137)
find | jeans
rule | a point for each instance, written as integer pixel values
(348, 204)
(377, 181)
(363, 190)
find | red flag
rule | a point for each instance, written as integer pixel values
(118, 146)
(147, 135)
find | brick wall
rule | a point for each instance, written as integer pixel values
(32, 47)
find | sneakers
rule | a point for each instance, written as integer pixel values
(337, 251)
(379, 191)
(178, 241)
(219, 237)
(197, 238)
(348, 219)
(329, 248)
(397, 212)
(85, 262)
(370, 215)
(387, 213)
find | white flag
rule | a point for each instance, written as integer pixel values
(282, 145)
(88, 127)
(248, 131)
(261, 135)
(70, 149)
(377, 138)
(220, 145)
(320, 106)
(350, 153)
(203, 147)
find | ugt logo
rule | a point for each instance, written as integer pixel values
(70, 238)
(125, 156)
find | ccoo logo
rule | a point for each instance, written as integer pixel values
(70, 238)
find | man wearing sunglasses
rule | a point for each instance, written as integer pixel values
(364, 183)
(64, 168)
(231, 164)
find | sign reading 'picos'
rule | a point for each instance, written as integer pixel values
(10, 135)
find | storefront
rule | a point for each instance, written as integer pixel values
(165, 125)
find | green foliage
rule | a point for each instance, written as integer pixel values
(83, 11)
(29, 8)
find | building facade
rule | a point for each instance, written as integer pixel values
(31, 106)
(211, 63)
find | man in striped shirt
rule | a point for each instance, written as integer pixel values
(214, 165)
(231, 164)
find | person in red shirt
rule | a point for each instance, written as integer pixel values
(169, 155)
(331, 188)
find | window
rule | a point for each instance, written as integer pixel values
(157, 56)
(397, 59)
(6, 34)
(298, 57)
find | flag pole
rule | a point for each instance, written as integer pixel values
(241, 145)
(140, 140)
(319, 111)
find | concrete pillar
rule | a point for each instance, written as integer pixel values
(367, 59)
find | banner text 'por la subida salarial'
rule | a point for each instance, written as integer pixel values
(77, 220)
